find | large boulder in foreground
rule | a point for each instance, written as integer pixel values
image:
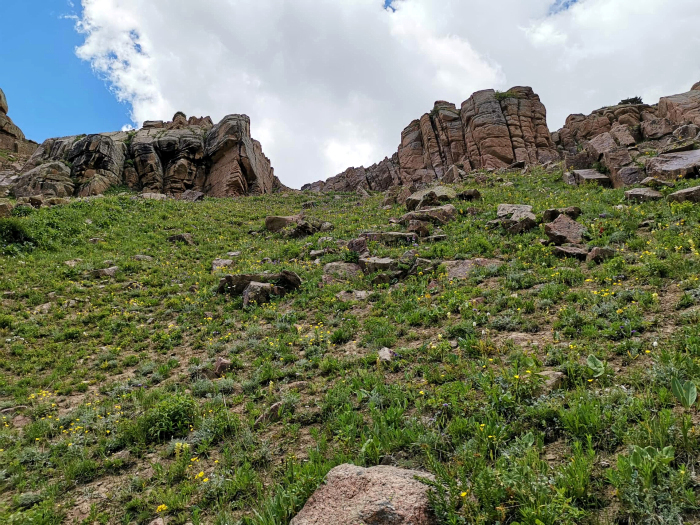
(564, 230)
(688, 194)
(373, 496)
(670, 166)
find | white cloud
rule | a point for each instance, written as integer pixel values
(329, 84)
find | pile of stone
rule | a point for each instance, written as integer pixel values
(258, 288)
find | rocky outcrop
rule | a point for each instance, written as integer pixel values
(170, 158)
(619, 141)
(490, 130)
(11, 137)
(625, 119)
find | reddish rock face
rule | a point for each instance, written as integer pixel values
(11, 137)
(489, 131)
(620, 120)
(682, 109)
(170, 158)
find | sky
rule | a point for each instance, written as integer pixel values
(330, 84)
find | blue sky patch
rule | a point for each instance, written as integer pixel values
(561, 5)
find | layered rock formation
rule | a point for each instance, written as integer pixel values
(220, 160)
(490, 130)
(11, 137)
(630, 141)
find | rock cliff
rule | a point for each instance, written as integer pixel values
(221, 160)
(11, 137)
(490, 130)
(631, 140)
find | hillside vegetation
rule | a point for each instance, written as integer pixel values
(111, 412)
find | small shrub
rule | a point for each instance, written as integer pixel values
(632, 100)
(170, 418)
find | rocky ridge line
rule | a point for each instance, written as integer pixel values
(169, 158)
(491, 130)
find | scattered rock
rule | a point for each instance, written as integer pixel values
(598, 255)
(671, 166)
(105, 272)
(276, 224)
(643, 195)
(73, 262)
(144, 258)
(383, 494)
(578, 177)
(358, 245)
(6, 209)
(469, 195)
(572, 211)
(154, 196)
(653, 182)
(462, 269)
(357, 295)
(522, 226)
(235, 284)
(185, 238)
(222, 366)
(564, 230)
(571, 250)
(439, 215)
(626, 176)
(420, 228)
(234, 254)
(514, 212)
(191, 196)
(688, 194)
(391, 237)
(43, 308)
(377, 264)
(271, 415)
(430, 197)
(219, 264)
(553, 380)
(342, 271)
(435, 238)
(258, 293)
(385, 355)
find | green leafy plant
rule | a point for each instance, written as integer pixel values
(686, 392)
(595, 365)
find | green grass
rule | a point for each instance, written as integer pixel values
(111, 414)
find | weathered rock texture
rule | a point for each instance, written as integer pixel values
(170, 158)
(621, 139)
(354, 495)
(490, 130)
(11, 137)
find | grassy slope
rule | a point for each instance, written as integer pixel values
(121, 423)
